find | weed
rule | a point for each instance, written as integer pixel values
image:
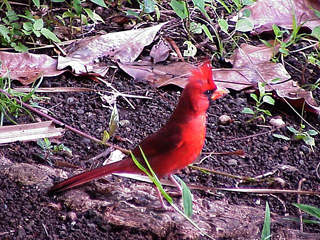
(266, 233)
(313, 211)
(9, 107)
(263, 97)
(49, 149)
(300, 134)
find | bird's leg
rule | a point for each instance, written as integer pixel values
(176, 183)
(162, 202)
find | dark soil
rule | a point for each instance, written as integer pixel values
(27, 212)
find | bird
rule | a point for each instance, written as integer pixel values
(174, 146)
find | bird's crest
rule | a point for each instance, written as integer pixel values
(204, 74)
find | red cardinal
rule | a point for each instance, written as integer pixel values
(174, 146)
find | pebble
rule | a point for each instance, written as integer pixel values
(232, 162)
(224, 120)
(305, 149)
(277, 122)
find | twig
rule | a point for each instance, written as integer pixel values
(298, 201)
(250, 136)
(63, 125)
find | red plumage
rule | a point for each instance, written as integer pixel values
(174, 146)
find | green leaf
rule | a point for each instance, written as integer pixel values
(281, 136)
(267, 112)
(261, 87)
(68, 14)
(196, 28)
(312, 132)
(27, 26)
(244, 25)
(316, 32)
(133, 13)
(37, 33)
(38, 24)
(248, 111)
(266, 43)
(12, 16)
(275, 80)
(309, 141)
(180, 8)
(186, 197)
(77, 6)
(105, 136)
(36, 3)
(266, 232)
(114, 120)
(254, 96)
(148, 6)
(313, 211)
(268, 99)
(100, 3)
(58, 1)
(246, 13)
(93, 16)
(20, 48)
(223, 25)
(247, 2)
(49, 35)
(291, 129)
(4, 31)
(277, 32)
(201, 4)
(207, 32)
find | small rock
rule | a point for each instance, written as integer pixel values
(72, 216)
(232, 162)
(279, 182)
(305, 149)
(224, 119)
(277, 122)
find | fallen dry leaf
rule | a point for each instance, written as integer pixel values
(27, 67)
(265, 13)
(28, 132)
(251, 64)
(160, 75)
(85, 56)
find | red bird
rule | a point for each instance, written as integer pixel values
(174, 146)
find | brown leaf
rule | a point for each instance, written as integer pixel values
(250, 65)
(85, 56)
(160, 75)
(27, 67)
(28, 132)
(265, 13)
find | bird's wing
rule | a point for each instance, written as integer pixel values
(166, 139)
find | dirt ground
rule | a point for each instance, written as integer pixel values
(122, 208)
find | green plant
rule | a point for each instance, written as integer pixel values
(9, 107)
(263, 97)
(300, 134)
(185, 190)
(266, 232)
(313, 211)
(49, 149)
(113, 124)
(77, 13)
(13, 31)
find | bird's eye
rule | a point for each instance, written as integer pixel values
(208, 92)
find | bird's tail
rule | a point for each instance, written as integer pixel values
(123, 166)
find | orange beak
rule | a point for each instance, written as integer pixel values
(220, 92)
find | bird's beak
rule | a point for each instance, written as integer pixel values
(220, 92)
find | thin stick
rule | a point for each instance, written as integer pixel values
(63, 125)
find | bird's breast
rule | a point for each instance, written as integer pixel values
(192, 140)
